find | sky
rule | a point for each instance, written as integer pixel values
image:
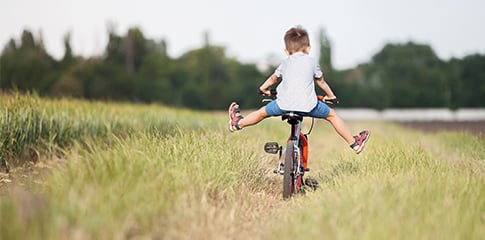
(252, 30)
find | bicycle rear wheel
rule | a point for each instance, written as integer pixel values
(288, 176)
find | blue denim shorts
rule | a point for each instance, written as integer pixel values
(319, 111)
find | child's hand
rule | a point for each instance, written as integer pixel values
(331, 100)
(266, 92)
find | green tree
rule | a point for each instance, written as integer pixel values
(139, 69)
(68, 58)
(128, 51)
(468, 81)
(342, 85)
(28, 66)
(207, 77)
(325, 59)
(153, 83)
(65, 82)
(410, 75)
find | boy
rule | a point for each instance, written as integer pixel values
(296, 92)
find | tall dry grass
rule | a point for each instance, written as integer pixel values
(29, 124)
(406, 185)
(133, 170)
(152, 172)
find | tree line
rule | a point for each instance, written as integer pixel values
(134, 68)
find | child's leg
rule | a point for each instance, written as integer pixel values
(237, 121)
(253, 118)
(339, 126)
(358, 142)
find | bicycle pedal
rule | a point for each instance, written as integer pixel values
(312, 183)
(271, 147)
(307, 169)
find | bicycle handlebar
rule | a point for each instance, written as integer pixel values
(272, 96)
(272, 92)
(329, 101)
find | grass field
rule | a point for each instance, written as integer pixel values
(92, 170)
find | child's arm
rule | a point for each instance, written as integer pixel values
(264, 88)
(326, 88)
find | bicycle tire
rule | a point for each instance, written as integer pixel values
(288, 176)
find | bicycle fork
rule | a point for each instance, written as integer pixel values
(281, 165)
(301, 154)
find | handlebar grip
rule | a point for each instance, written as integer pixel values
(333, 101)
(329, 101)
(272, 92)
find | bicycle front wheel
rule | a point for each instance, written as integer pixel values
(288, 175)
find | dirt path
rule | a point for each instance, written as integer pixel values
(474, 127)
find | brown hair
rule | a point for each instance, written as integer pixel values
(296, 39)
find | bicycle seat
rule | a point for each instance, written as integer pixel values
(292, 117)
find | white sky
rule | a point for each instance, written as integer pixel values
(252, 30)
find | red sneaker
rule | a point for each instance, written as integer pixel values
(360, 141)
(234, 117)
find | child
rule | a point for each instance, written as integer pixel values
(296, 92)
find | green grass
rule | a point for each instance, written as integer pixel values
(405, 186)
(148, 171)
(29, 125)
(143, 178)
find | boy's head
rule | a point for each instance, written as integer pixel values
(297, 40)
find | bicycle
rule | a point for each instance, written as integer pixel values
(293, 159)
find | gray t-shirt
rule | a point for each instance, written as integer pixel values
(296, 91)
